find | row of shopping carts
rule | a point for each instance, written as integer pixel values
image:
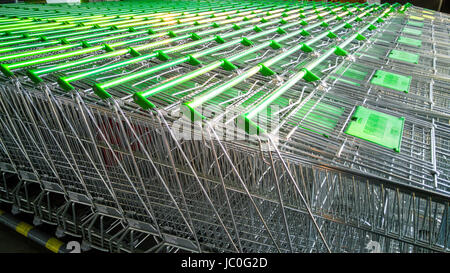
(229, 126)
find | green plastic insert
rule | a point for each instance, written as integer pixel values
(352, 73)
(345, 81)
(377, 127)
(322, 117)
(404, 56)
(391, 80)
(410, 41)
(416, 18)
(412, 31)
(414, 23)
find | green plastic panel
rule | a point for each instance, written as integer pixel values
(391, 80)
(352, 73)
(377, 127)
(345, 81)
(404, 56)
(414, 23)
(416, 18)
(409, 41)
(412, 31)
(322, 119)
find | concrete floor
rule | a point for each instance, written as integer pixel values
(13, 242)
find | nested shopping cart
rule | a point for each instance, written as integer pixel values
(223, 126)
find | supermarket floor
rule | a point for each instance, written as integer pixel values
(13, 242)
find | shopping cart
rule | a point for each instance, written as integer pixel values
(216, 126)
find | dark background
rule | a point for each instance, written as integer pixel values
(428, 4)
